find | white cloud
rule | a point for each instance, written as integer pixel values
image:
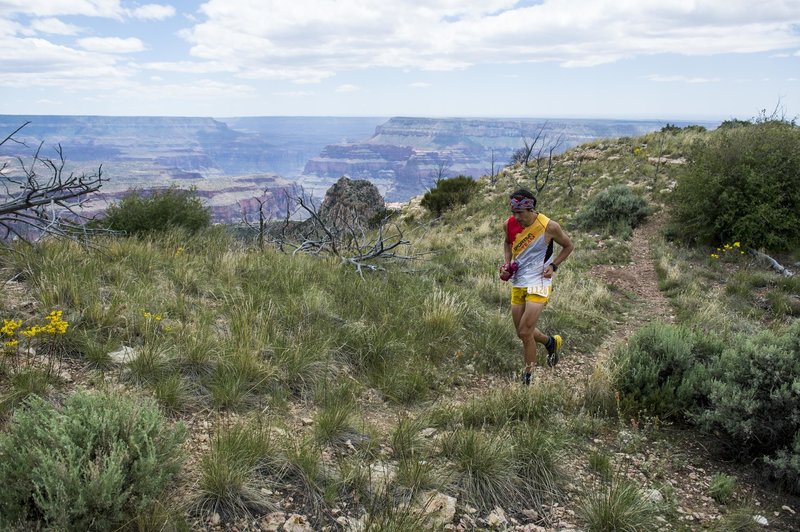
(56, 8)
(35, 62)
(419, 85)
(54, 26)
(294, 94)
(112, 45)
(188, 67)
(88, 8)
(201, 90)
(304, 36)
(681, 79)
(346, 87)
(153, 12)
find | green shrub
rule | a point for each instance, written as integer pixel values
(753, 397)
(616, 211)
(722, 488)
(449, 193)
(663, 369)
(743, 184)
(784, 466)
(159, 210)
(93, 464)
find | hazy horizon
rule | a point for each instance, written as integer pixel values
(387, 117)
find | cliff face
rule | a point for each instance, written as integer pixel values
(351, 202)
(228, 166)
(401, 156)
(405, 154)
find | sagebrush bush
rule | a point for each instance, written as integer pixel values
(743, 184)
(784, 466)
(139, 212)
(93, 464)
(752, 394)
(663, 369)
(615, 211)
(448, 193)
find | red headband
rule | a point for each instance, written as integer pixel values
(522, 203)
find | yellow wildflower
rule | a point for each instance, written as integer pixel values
(736, 244)
(9, 326)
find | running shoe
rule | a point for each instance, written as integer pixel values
(553, 346)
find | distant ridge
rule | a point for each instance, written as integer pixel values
(233, 160)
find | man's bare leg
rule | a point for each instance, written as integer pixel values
(527, 332)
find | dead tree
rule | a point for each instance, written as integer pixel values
(259, 219)
(346, 236)
(659, 160)
(440, 172)
(40, 198)
(542, 169)
(575, 168)
(492, 172)
(537, 157)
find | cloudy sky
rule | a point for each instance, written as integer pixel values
(678, 59)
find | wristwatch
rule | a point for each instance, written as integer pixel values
(554, 265)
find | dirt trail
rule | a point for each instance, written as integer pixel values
(638, 282)
(639, 279)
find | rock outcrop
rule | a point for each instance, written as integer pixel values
(350, 202)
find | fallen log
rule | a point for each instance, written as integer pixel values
(772, 262)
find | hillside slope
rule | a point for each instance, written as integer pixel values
(318, 399)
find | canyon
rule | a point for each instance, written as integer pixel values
(235, 162)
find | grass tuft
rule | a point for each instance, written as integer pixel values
(618, 505)
(229, 481)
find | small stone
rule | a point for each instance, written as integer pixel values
(788, 509)
(272, 522)
(381, 475)
(654, 496)
(277, 431)
(437, 507)
(214, 519)
(123, 355)
(427, 433)
(497, 518)
(307, 421)
(297, 523)
(761, 520)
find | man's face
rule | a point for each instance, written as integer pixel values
(523, 216)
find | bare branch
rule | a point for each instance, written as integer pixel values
(35, 205)
(344, 234)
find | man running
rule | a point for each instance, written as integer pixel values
(529, 263)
